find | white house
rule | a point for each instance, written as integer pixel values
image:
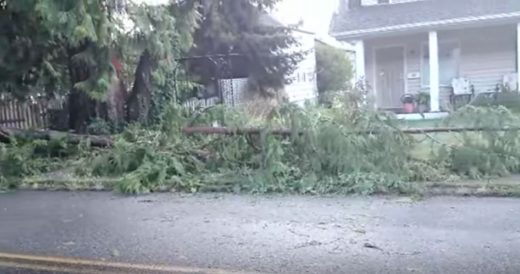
(234, 88)
(412, 46)
(303, 86)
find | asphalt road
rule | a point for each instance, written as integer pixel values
(277, 234)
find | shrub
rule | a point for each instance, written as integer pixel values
(99, 127)
(507, 98)
(489, 152)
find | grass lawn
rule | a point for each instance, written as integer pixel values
(421, 123)
(426, 143)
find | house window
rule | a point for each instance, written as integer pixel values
(449, 63)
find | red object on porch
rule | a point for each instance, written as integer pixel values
(408, 107)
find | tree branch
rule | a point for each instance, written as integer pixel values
(6, 135)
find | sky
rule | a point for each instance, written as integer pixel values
(315, 14)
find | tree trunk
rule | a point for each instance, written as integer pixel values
(116, 100)
(139, 101)
(81, 107)
(96, 141)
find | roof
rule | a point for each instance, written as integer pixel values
(367, 20)
(331, 41)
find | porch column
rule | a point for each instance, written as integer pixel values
(360, 60)
(518, 55)
(434, 71)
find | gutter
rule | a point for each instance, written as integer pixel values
(429, 24)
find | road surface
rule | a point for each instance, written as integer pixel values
(214, 233)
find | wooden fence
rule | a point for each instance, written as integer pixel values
(24, 115)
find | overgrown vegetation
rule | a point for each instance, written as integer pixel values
(489, 152)
(116, 60)
(89, 51)
(330, 150)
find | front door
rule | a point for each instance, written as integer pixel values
(389, 77)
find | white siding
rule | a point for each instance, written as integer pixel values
(487, 54)
(304, 86)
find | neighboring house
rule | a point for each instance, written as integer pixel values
(330, 41)
(412, 46)
(232, 82)
(304, 86)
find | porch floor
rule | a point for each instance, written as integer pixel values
(422, 116)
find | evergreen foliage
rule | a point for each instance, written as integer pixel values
(245, 29)
(67, 47)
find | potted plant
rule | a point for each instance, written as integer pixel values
(423, 102)
(408, 101)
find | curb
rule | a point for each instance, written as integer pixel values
(487, 188)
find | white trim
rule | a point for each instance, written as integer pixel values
(518, 54)
(433, 47)
(360, 60)
(374, 66)
(431, 24)
(423, 116)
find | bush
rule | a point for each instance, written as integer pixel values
(508, 99)
(334, 69)
(488, 152)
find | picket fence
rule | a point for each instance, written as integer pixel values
(30, 114)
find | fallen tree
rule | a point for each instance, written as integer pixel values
(288, 132)
(6, 135)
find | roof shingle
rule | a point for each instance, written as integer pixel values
(378, 16)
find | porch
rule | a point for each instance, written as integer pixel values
(424, 65)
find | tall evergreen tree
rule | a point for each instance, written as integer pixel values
(159, 36)
(29, 55)
(240, 27)
(68, 46)
(64, 45)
